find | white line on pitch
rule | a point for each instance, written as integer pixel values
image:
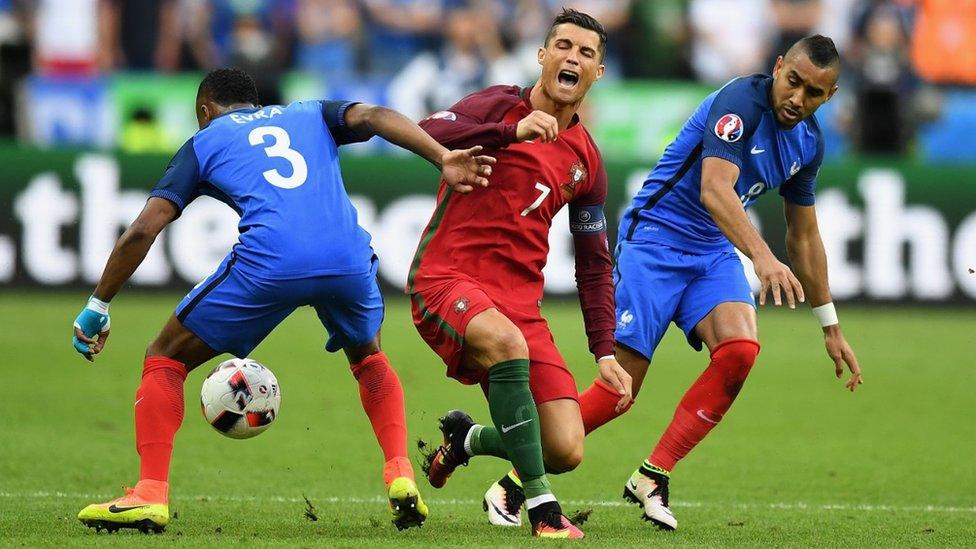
(794, 506)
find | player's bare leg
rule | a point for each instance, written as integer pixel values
(159, 414)
(562, 435)
(729, 331)
(494, 344)
(382, 397)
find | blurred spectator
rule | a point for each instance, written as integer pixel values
(142, 134)
(470, 59)
(792, 20)
(328, 38)
(655, 40)
(944, 43)
(14, 59)
(729, 38)
(526, 30)
(144, 34)
(836, 21)
(251, 34)
(882, 80)
(399, 30)
(252, 28)
(69, 37)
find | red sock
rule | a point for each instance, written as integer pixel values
(159, 413)
(598, 405)
(382, 398)
(706, 401)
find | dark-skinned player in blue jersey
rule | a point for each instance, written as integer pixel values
(300, 244)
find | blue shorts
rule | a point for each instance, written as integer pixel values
(233, 312)
(656, 284)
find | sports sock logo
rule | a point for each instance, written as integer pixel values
(703, 415)
(510, 427)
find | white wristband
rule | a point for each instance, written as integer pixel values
(605, 357)
(826, 314)
(98, 305)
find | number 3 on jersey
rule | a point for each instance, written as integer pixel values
(280, 148)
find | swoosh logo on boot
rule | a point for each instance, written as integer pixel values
(116, 509)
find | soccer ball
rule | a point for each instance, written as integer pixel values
(240, 398)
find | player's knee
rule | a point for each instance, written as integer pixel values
(738, 356)
(565, 458)
(508, 344)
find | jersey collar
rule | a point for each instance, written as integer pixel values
(526, 98)
(240, 109)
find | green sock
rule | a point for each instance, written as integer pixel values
(516, 421)
(485, 441)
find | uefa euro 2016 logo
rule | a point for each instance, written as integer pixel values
(729, 128)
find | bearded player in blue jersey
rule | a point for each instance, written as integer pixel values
(675, 256)
(300, 244)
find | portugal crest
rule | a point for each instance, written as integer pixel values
(577, 175)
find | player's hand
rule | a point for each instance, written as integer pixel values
(91, 322)
(777, 279)
(614, 375)
(463, 170)
(537, 125)
(841, 353)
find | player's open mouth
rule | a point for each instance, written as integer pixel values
(568, 78)
(790, 114)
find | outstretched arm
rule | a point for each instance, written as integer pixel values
(478, 119)
(719, 198)
(462, 170)
(129, 252)
(806, 251)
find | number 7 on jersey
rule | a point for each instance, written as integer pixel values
(544, 190)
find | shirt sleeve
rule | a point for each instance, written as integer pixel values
(594, 267)
(476, 120)
(181, 180)
(800, 189)
(732, 118)
(334, 114)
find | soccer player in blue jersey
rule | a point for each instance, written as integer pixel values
(675, 256)
(300, 244)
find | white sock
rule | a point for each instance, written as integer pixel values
(539, 500)
(467, 438)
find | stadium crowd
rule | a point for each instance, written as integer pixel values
(427, 53)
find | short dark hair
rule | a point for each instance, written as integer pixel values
(820, 49)
(229, 86)
(580, 19)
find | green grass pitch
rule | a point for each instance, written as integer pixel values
(797, 462)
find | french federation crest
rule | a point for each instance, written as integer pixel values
(729, 128)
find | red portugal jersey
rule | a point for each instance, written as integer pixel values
(498, 236)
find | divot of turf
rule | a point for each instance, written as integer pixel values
(310, 512)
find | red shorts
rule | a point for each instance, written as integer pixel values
(441, 314)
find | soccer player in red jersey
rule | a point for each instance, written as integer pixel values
(476, 282)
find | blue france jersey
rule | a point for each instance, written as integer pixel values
(278, 168)
(735, 123)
